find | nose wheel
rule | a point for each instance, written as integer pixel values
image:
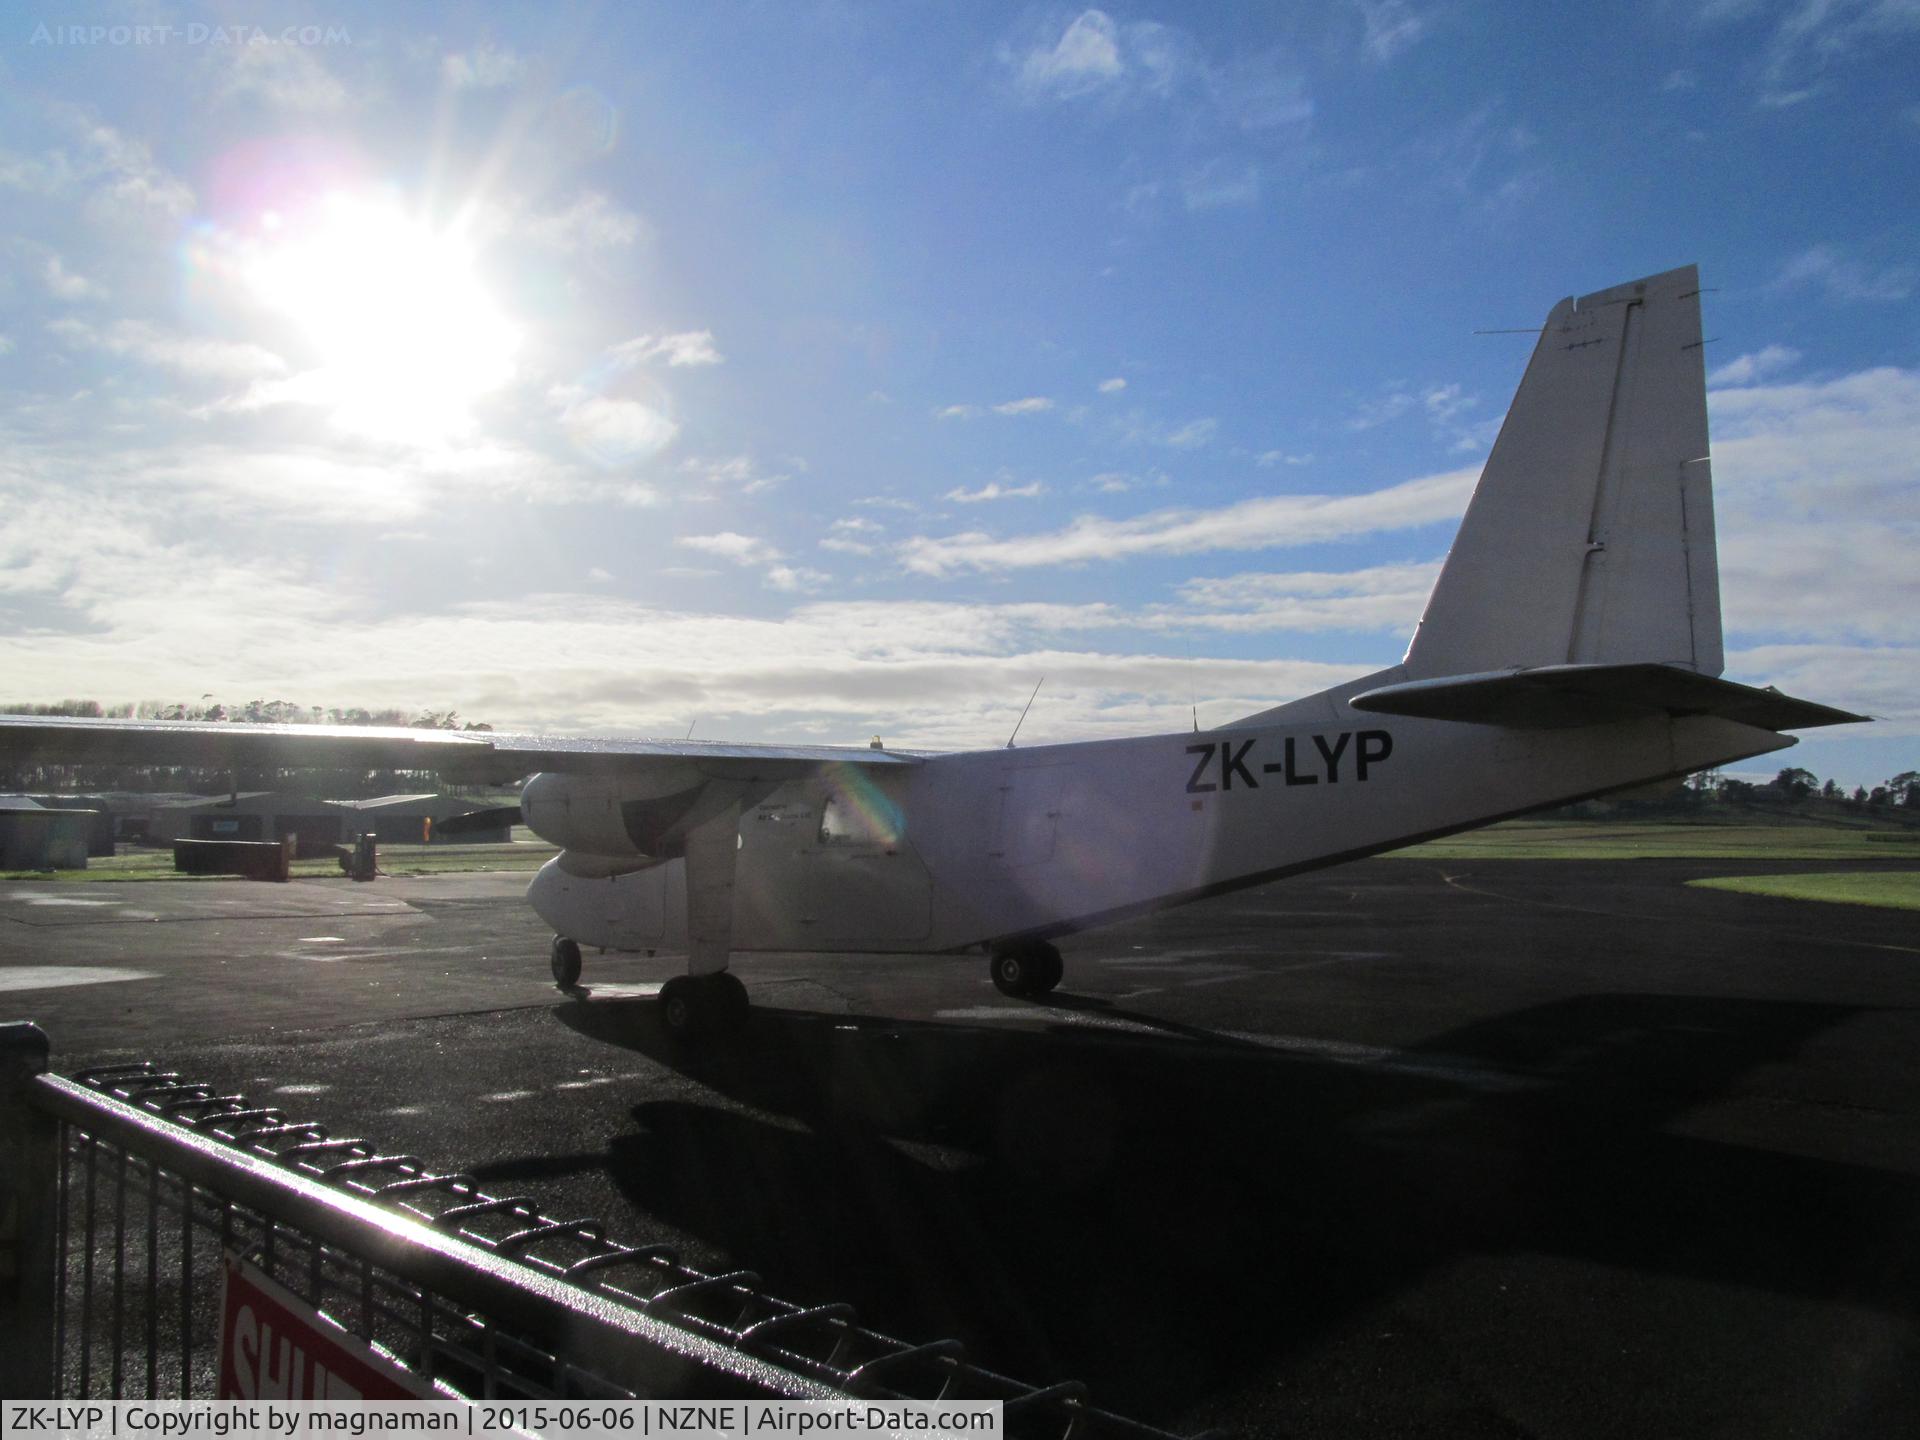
(1026, 969)
(565, 962)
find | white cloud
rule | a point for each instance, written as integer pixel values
(1818, 516)
(1375, 413)
(689, 347)
(1482, 160)
(1755, 365)
(592, 222)
(1844, 278)
(731, 545)
(1096, 59)
(194, 356)
(1443, 402)
(738, 472)
(6, 345)
(1191, 435)
(1869, 680)
(994, 490)
(598, 576)
(1084, 58)
(1811, 38)
(127, 184)
(1220, 183)
(753, 553)
(1137, 428)
(65, 284)
(1031, 405)
(286, 77)
(1267, 459)
(853, 535)
(1678, 80)
(615, 431)
(1381, 597)
(1392, 28)
(484, 67)
(1256, 524)
(1113, 386)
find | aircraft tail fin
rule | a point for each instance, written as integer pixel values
(1589, 539)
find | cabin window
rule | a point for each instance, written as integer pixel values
(870, 819)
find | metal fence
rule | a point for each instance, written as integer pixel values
(125, 1190)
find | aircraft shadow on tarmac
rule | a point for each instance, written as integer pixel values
(1155, 1214)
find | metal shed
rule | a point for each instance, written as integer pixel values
(35, 838)
(253, 815)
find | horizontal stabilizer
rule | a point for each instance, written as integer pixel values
(1560, 696)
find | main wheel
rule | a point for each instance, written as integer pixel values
(732, 996)
(693, 1006)
(565, 962)
(1026, 968)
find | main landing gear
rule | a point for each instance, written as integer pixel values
(565, 962)
(696, 1006)
(1026, 969)
(691, 1006)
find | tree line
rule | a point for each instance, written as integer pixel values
(1797, 783)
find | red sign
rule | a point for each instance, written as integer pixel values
(275, 1346)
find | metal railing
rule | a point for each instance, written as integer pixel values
(127, 1187)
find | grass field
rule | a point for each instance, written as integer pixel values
(1896, 889)
(1572, 840)
(526, 854)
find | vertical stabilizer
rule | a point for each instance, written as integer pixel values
(1589, 539)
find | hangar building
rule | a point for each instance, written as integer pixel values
(252, 815)
(33, 837)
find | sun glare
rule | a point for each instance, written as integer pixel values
(407, 338)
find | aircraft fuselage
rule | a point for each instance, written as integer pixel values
(981, 846)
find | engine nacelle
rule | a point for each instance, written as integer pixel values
(618, 816)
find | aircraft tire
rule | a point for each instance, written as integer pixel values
(732, 995)
(698, 1006)
(1026, 969)
(565, 962)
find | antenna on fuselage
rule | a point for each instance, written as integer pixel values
(1023, 714)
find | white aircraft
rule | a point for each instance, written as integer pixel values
(1571, 647)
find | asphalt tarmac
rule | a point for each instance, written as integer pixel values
(1406, 1148)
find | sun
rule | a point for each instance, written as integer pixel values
(397, 316)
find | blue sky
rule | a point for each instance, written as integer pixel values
(811, 371)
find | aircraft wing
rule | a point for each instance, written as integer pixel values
(466, 756)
